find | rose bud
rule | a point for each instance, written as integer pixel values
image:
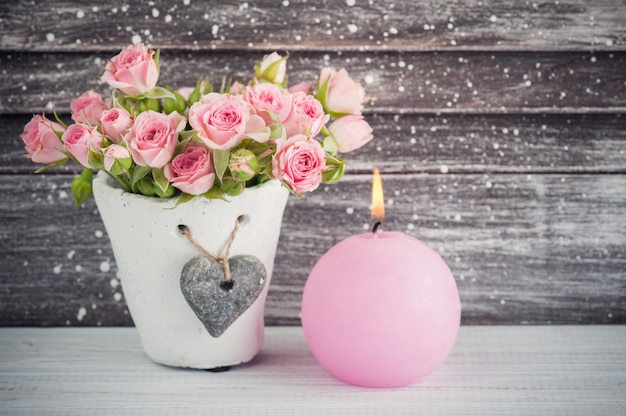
(243, 165)
(350, 132)
(42, 142)
(115, 123)
(338, 93)
(272, 68)
(79, 139)
(88, 108)
(117, 159)
(306, 116)
(133, 71)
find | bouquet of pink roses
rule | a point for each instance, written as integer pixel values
(197, 141)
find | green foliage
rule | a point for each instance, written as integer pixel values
(220, 161)
(177, 103)
(335, 170)
(82, 187)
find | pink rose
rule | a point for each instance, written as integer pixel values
(192, 170)
(42, 143)
(272, 68)
(350, 132)
(306, 116)
(133, 71)
(343, 95)
(153, 137)
(79, 138)
(267, 100)
(115, 123)
(299, 163)
(88, 108)
(224, 120)
(116, 153)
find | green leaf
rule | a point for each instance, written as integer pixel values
(215, 193)
(95, 159)
(158, 92)
(232, 187)
(321, 93)
(81, 187)
(125, 103)
(255, 147)
(138, 173)
(124, 163)
(167, 193)
(336, 168)
(195, 95)
(106, 142)
(258, 180)
(52, 166)
(335, 115)
(121, 180)
(58, 119)
(220, 161)
(190, 135)
(146, 186)
(183, 199)
(208, 88)
(160, 180)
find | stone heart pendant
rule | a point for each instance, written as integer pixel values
(217, 302)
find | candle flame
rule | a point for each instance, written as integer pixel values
(378, 201)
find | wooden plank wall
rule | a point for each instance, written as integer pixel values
(500, 133)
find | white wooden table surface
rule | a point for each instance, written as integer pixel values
(521, 370)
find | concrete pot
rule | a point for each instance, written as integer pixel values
(150, 252)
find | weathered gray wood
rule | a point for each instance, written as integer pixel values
(396, 82)
(521, 370)
(315, 24)
(524, 249)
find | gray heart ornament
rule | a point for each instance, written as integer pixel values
(216, 302)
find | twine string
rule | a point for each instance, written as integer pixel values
(222, 259)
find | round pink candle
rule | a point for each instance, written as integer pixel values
(381, 309)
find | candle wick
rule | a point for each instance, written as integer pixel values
(376, 225)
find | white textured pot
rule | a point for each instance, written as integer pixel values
(150, 252)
